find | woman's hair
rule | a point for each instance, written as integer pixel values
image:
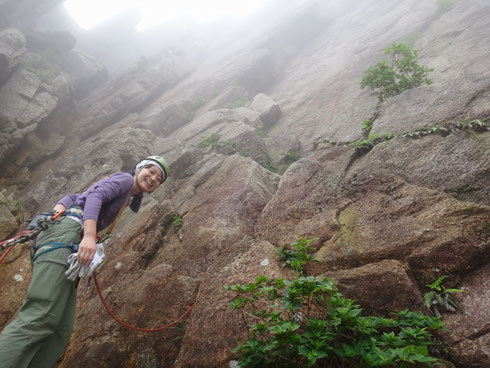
(137, 199)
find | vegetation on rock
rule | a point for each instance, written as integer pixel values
(306, 322)
(439, 297)
(176, 221)
(211, 141)
(387, 79)
(390, 78)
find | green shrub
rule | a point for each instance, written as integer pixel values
(299, 256)
(367, 125)
(211, 141)
(306, 322)
(177, 221)
(388, 79)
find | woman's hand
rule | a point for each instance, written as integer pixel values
(59, 208)
(86, 249)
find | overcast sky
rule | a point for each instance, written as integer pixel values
(88, 13)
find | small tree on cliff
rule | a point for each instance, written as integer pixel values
(390, 78)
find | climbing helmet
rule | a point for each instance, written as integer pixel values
(161, 163)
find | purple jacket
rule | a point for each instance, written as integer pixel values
(103, 200)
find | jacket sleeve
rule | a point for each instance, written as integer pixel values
(68, 200)
(104, 192)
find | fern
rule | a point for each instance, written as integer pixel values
(439, 297)
(437, 284)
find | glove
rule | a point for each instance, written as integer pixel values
(87, 271)
(33, 223)
(73, 267)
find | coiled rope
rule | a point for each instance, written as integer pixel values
(132, 327)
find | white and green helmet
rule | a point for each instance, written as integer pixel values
(159, 161)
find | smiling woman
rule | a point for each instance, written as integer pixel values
(88, 13)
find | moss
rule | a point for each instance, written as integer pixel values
(211, 141)
(349, 235)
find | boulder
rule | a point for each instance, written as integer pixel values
(23, 105)
(37, 109)
(242, 138)
(16, 95)
(473, 353)
(12, 46)
(380, 288)
(388, 218)
(301, 205)
(270, 112)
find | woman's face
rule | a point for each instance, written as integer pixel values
(149, 178)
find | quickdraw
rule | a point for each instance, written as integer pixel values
(28, 235)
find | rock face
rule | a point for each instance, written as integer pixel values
(12, 46)
(260, 138)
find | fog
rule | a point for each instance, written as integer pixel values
(128, 35)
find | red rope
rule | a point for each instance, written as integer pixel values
(10, 248)
(137, 328)
(6, 252)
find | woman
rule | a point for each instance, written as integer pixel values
(40, 333)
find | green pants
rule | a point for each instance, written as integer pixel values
(42, 329)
